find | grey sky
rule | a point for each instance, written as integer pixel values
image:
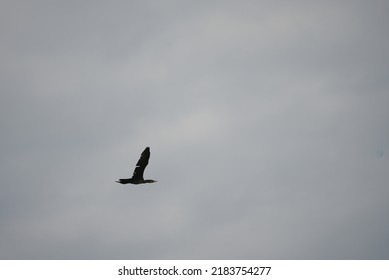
(267, 122)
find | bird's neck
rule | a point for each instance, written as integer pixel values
(149, 181)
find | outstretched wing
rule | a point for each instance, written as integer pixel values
(141, 165)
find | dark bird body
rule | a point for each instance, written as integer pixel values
(137, 176)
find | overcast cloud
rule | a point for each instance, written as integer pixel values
(267, 122)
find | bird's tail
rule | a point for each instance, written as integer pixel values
(123, 181)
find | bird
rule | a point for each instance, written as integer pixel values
(137, 176)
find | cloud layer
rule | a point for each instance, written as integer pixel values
(267, 122)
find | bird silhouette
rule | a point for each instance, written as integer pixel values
(137, 176)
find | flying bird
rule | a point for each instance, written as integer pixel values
(137, 176)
